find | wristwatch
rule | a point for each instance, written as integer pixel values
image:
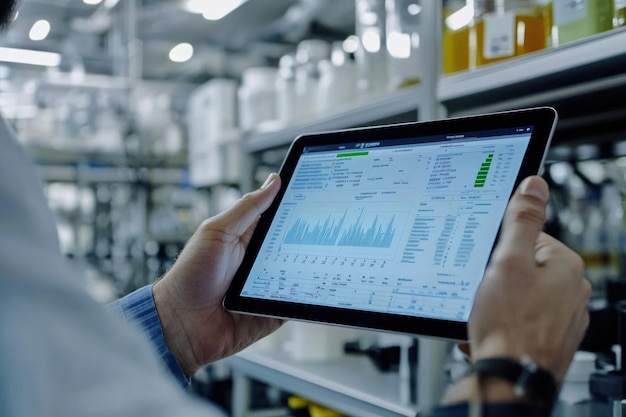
(534, 383)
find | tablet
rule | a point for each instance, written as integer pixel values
(389, 228)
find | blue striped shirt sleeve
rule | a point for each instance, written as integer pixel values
(138, 307)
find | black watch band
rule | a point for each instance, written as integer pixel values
(530, 381)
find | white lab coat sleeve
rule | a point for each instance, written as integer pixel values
(61, 354)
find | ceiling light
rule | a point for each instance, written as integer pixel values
(399, 45)
(351, 44)
(371, 41)
(196, 6)
(215, 10)
(181, 52)
(368, 18)
(30, 57)
(414, 9)
(39, 31)
(92, 2)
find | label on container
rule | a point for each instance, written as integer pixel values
(566, 11)
(499, 35)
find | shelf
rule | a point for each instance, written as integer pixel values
(52, 156)
(568, 77)
(373, 110)
(351, 385)
(591, 59)
(90, 175)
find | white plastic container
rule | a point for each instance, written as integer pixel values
(402, 42)
(257, 97)
(574, 396)
(371, 55)
(312, 342)
(211, 122)
(337, 85)
(309, 54)
(287, 107)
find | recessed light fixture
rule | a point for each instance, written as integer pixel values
(371, 40)
(92, 2)
(40, 30)
(351, 44)
(181, 52)
(414, 9)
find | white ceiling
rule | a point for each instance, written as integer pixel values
(258, 32)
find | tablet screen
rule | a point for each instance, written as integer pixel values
(403, 226)
(390, 227)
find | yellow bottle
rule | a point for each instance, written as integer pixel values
(504, 29)
(457, 16)
(545, 9)
(313, 409)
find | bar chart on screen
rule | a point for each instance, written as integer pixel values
(336, 232)
(367, 229)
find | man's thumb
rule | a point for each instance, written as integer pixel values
(238, 218)
(525, 214)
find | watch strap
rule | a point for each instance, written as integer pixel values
(531, 381)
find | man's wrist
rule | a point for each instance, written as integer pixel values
(173, 331)
(139, 307)
(488, 389)
(497, 380)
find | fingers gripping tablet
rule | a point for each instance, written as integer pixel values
(389, 228)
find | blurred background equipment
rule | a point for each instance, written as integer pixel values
(144, 117)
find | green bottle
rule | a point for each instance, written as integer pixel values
(576, 19)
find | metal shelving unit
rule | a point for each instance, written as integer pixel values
(584, 80)
(591, 58)
(99, 232)
(88, 175)
(351, 385)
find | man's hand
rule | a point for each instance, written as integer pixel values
(196, 327)
(533, 298)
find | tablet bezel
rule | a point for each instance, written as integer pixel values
(543, 120)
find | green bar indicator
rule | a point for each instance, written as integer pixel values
(346, 155)
(481, 176)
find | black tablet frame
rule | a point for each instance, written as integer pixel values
(543, 120)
